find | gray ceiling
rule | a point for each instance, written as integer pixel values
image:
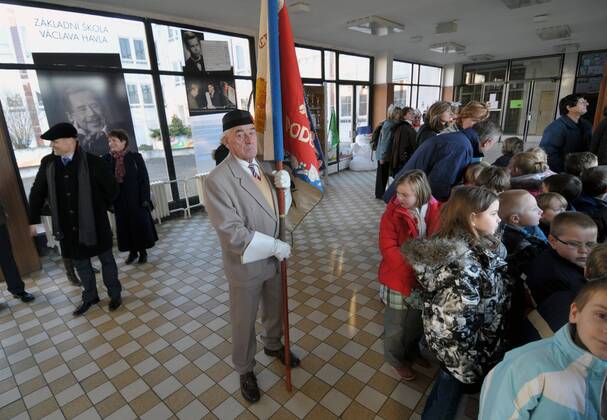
(484, 26)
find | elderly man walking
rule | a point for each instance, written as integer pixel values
(243, 208)
(79, 188)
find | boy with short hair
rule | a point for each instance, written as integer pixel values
(520, 216)
(551, 204)
(559, 377)
(553, 312)
(524, 241)
(576, 163)
(572, 237)
(591, 201)
(567, 185)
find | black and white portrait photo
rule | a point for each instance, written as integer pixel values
(94, 103)
(192, 50)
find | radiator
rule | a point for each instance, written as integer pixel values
(160, 199)
(200, 180)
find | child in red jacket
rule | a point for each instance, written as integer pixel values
(412, 213)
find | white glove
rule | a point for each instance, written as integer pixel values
(282, 250)
(264, 246)
(282, 179)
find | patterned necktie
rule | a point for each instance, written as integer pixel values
(253, 169)
(66, 160)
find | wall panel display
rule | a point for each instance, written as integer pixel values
(93, 102)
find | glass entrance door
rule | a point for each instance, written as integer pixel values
(543, 106)
(530, 107)
(517, 103)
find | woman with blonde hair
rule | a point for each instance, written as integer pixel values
(470, 114)
(438, 117)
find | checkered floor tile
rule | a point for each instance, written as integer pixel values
(166, 352)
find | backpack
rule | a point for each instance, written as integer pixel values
(375, 136)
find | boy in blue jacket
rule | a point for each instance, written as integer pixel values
(563, 376)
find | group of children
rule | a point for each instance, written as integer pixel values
(512, 257)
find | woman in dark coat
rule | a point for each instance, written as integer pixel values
(134, 224)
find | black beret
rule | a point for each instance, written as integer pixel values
(60, 131)
(235, 118)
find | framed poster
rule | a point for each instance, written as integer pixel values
(94, 102)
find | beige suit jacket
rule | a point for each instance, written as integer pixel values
(237, 208)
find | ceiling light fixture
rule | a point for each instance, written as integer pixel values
(517, 4)
(554, 32)
(300, 7)
(481, 57)
(447, 47)
(446, 27)
(375, 25)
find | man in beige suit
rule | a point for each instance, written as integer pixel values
(242, 207)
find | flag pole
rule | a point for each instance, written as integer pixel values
(274, 64)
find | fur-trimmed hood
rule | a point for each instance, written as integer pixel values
(435, 259)
(434, 252)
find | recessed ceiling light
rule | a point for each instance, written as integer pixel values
(299, 7)
(540, 18)
(375, 25)
(517, 4)
(447, 47)
(446, 27)
(554, 32)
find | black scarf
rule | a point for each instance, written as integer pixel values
(87, 235)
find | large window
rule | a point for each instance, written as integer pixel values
(338, 82)
(416, 85)
(119, 83)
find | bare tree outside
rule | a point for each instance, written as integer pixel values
(19, 123)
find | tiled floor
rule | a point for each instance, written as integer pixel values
(166, 352)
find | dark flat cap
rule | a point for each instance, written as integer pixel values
(235, 118)
(60, 131)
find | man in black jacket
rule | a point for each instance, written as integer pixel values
(79, 188)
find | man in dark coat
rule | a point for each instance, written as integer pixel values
(444, 158)
(14, 283)
(569, 133)
(79, 188)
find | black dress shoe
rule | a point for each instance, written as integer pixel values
(132, 257)
(280, 355)
(85, 307)
(143, 258)
(115, 304)
(249, 388)
(24, 296)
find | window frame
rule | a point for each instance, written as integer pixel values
(415, 78)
